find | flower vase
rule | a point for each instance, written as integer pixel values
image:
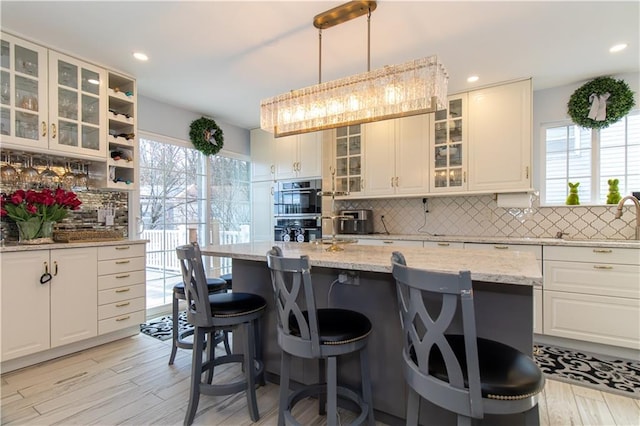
(35, 231)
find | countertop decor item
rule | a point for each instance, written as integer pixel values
(206, 136)
(613, 197)
(600, 103)
(35, 212)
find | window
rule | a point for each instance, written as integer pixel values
(574, 154)
(183, 191)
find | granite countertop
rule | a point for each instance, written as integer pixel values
(500, 240)
(492, 266)
(14, 246)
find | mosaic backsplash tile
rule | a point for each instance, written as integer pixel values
(480, 216)
(87, 216)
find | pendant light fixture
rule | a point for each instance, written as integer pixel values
(415, 87)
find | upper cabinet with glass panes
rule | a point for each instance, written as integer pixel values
(348, 159)
(449, 147)
(51, 102)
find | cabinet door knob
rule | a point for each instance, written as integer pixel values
(44, 129)
(54, 133)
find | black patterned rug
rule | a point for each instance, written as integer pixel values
(596, 371)
(161, 327)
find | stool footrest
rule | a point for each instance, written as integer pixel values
(319, 388)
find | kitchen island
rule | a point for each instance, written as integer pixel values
(503, 290)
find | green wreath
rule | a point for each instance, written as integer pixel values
(206, 136)
(618, 104)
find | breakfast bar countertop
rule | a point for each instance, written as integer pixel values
(499, 267)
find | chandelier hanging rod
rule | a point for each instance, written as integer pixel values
(339, 15)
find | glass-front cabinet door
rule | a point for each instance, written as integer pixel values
(23, 93)
(77, 112)
(348, 150)
(449, 149)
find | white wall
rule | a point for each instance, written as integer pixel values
(168, 120)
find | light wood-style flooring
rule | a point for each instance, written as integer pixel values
(129, 382)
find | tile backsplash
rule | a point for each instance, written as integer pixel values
(87, 216)
(480, 216)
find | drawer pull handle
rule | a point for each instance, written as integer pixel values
(501, 247)
(122, 290)
(123, 276)
(122, 305)
(602, 267)
(444, 244)
(122, 262)
(602, 250)
(123, 318)
(387, 242)
(123, 248)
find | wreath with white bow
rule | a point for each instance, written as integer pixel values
(206, 136)
(600, 103)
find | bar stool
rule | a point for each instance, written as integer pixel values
(214, 285)
(461, 373)
(323, 334)
(228, 278)
(209, 314)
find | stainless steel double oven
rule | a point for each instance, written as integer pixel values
(298, 210)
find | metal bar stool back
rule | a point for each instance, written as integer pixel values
(323, 334)
(462, 373)
(210, 313)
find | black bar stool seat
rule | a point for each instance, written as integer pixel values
(179, 338)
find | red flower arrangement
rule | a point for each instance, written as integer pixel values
(46, 205)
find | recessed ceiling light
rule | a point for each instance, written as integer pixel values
(618, 47)
(473, 79)
(140, 56)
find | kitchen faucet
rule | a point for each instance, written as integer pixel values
(619, 212)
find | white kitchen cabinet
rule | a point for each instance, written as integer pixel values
(23, 83)
(499, 124)
(121, 170)
(262, 219)
(348, 154)
(443, 244)
(396, 157)
(51, 102)
(383, 242)
(298, 156)
(448, 153)
(263, 152)
(593, 294)
(36, 316)
(121, 287)
(290, 157)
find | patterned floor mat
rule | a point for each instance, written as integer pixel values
(619, 376)
(597, 371)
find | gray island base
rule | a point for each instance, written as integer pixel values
(503, 295)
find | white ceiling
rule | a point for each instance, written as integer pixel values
(221, 58)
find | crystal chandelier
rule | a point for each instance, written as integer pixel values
(415, 87)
